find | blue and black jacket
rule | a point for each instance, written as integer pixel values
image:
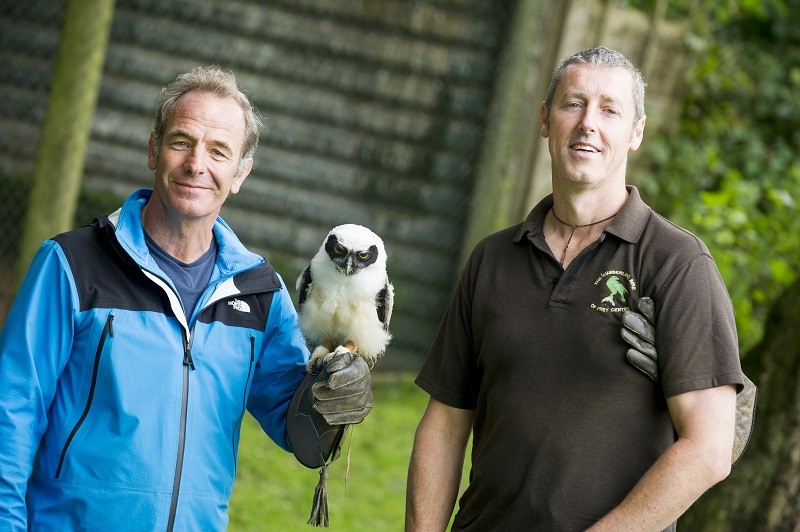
(119, 412)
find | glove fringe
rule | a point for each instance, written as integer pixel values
(319, 508)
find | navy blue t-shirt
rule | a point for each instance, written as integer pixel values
(189, 279)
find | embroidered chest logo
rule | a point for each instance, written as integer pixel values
(614, 286)
(239, 305)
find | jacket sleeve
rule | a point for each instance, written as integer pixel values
(280, 368)
(34, 346)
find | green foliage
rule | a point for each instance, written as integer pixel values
(731, 173)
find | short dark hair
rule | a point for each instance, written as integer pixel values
(606, 57)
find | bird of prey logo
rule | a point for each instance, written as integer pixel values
(616, 288)
(345, 296)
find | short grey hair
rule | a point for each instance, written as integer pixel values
(600, 56)
(219, 82)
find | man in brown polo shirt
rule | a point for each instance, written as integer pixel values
(567, 435)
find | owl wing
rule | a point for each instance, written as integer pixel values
(303, 285)
(384, 302)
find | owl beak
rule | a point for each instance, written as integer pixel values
(349, 269)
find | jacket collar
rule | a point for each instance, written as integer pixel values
(232, 256)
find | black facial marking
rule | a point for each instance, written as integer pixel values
(337, 253)
(349, 261)
(334, 248)
(365, 258)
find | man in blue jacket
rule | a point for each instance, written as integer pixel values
(136, 343)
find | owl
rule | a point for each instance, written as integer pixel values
(344, 295)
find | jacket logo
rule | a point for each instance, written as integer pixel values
(615, 286)
(239, 305)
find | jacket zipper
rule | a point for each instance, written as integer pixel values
(188, 364)
(108, 330)
(244, 398)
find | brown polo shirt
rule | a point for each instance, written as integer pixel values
(564, 425)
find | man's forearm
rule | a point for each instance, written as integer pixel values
(433, 480)
(665, 492)
(434, 473)
(700, 458)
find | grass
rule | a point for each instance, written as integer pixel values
(273, 491)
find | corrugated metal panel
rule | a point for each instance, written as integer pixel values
(374, 113)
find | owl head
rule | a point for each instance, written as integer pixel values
(351, 248)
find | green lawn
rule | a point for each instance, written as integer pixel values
(273, 491)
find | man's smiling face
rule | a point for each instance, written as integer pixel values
(590, 125)
(197, 165)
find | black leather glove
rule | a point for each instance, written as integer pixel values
(345, 398)
(639, 332)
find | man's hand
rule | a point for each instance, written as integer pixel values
(639, 332)
(345, 398)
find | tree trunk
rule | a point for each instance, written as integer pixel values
(763, 490)
(65, 135)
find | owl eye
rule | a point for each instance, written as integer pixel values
(338, 249)
(363, 255)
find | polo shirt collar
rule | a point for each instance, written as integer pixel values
(628, 224)
(534, 223)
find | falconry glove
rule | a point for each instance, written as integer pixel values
(345, 398)
(638, 331)
(335, 393)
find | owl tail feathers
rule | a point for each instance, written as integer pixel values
(319, 508)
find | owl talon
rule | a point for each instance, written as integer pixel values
(341, 349)
(317, 359)
(344, 354)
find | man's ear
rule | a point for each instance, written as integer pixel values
(151, 156)
(239, 179)
(544, 129)
(638, 134)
